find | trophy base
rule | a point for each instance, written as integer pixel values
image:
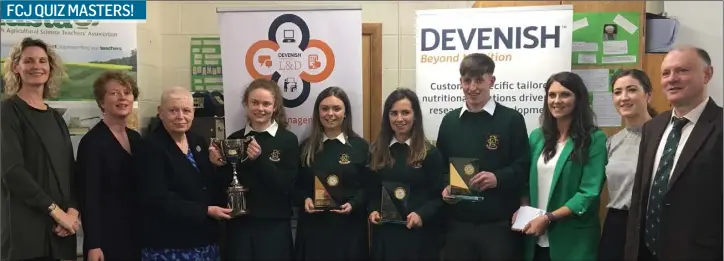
(393, 221)
(468, 198)
(234, 214)
(326, 208)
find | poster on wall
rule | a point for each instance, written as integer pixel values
(298, 49)
(87, 49)
(528, 45)
(602, 38)
(206, 64)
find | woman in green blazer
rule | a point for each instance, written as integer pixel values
(568, 160)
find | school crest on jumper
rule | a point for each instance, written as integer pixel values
(344, 159)
(493, 142)
(274, 155)
(417, 165)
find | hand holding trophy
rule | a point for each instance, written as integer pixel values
(233, 151)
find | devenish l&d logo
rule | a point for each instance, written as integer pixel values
(290, 58)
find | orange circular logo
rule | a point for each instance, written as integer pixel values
(290, 58)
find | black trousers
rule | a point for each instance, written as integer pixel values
(483, 242)
(259, 239)
(543, 254)
(42, 259)
(613, 238)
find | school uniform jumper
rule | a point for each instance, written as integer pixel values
(328, 235)
(498, 138)
(265, 233)
(395, 241)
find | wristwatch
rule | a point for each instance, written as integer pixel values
(550, 217)
(52, 207)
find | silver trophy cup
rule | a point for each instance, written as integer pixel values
(233, 151)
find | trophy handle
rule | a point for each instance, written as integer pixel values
(245, 143)
(215, 142)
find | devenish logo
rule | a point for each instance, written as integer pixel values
(490, 38)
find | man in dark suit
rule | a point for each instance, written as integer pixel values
(676, 206)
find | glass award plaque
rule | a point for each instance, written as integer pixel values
(461, 171)
(326, 186)
(393, 207)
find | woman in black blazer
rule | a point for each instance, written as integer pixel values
(104, 171)
(39, 210)
(180, 192)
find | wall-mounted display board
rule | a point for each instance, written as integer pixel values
(602, 38)
(206, 64)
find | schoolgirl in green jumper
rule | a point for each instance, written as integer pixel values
(336, 156)
(264, 233)
(401, 154)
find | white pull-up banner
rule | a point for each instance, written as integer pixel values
(304, 50)
(528, 45)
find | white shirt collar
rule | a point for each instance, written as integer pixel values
(488, 107)
(272, 129)
(394, 140)
(693, 115)
(339, 137)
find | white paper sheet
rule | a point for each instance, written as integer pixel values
(619, 59)
(586, 58)
(525, 215)
(585, 47)
(580, 23)
(606, 114)
(596, 80)
(615, 47)
(625, 24)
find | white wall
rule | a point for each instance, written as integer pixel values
(700, 24)
(182, 20)
(164, 39)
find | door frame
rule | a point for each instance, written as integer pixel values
(373, 112)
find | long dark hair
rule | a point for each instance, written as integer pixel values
(582, 118)
(381, 156)
(313, 144)
(643, 79)
(279, 115)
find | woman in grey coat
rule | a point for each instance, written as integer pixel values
(39, 211)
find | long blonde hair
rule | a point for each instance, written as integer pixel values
(13, 82)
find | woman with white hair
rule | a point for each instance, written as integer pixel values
(180, 192)
(39, 210)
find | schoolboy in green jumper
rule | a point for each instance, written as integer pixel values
(495, 135)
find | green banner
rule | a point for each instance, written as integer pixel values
(606, 38)
(206, 64)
